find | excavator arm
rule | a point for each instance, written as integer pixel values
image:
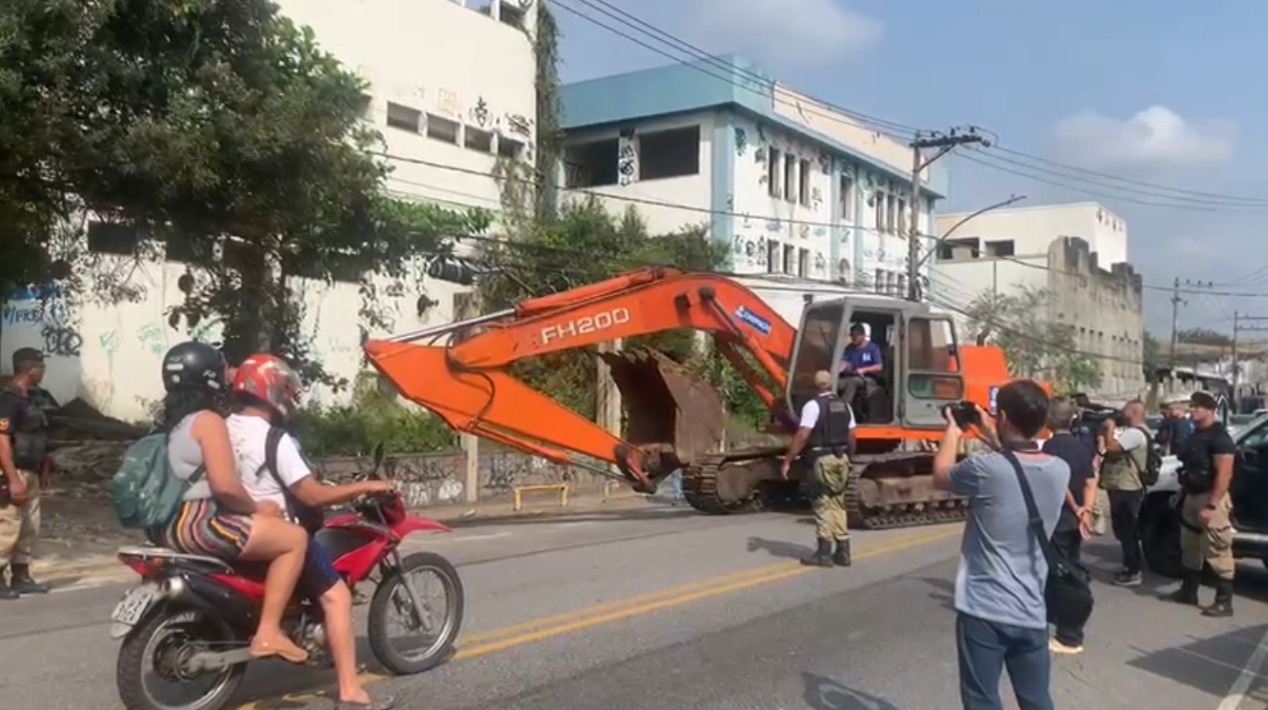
(465, 381)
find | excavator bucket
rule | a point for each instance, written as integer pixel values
(670, 411)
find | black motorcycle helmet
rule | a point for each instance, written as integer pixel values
(194, 366)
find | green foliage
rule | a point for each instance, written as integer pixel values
(372, 417)
(1034, 344)
(1150, 355)
(217, 125)
(584, 245)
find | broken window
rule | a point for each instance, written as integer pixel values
(671, 153)
(591, 164)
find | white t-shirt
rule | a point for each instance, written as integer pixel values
(249, 436)
(810, 414)
(1131, 438)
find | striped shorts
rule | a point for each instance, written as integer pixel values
(200, 528)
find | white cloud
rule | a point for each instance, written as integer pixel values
(1155, 137)
(785, 33)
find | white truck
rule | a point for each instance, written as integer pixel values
(1160, 524)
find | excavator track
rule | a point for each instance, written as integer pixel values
(860, 517)
(701, 478)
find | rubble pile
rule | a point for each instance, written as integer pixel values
(87, 446)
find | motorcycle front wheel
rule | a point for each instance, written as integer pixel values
(154, 653)
(435, 634)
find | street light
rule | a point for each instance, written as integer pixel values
(957, 225)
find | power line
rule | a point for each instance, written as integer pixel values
(1193, 198)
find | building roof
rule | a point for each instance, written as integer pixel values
(727, 81)
(1029, 208)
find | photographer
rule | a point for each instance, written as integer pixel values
(1206, 533)
(1124, 448)
(1002, 619)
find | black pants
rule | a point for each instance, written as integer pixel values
(1068, 544)
(851, 386)
(986, 648)
(1125, 519)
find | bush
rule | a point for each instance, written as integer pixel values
(373, 417)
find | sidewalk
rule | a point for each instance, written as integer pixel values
(81, 536)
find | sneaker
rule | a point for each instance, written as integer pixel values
(1057, 647)
(1126, 579)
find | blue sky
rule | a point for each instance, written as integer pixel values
(1166, 93)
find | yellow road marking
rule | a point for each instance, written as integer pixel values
(532, 631)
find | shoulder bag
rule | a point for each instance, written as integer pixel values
(1068, 590)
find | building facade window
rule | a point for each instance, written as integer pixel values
(404, 117)
(671, 153)
(773, 176)
(442, 129)
(847, 198)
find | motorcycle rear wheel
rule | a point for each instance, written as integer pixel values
(392, 595)
(145, 642)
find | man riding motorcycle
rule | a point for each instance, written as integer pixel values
(265, 394)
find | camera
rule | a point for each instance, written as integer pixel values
(965, 414)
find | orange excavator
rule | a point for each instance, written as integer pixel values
(675, 422)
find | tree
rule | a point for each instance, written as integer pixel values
(1150, 355)
(1035, 344)
(223, 129)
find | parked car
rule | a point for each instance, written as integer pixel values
(1160, 523)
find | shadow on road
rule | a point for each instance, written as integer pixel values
(827, 694)
(563, 515)
(1210, 665)
(277, 685)
(943, 590)
(778, 548)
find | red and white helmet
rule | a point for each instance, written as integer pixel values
(270, 380)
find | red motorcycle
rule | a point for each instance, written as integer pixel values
(190, 621)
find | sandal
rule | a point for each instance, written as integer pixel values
(387, 702)
(288, 652)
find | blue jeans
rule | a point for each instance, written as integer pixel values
(986, 648)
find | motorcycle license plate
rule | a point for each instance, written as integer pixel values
(132, 607)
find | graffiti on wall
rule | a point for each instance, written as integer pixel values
(61, 337)
(626, 157)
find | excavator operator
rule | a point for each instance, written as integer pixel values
(824, 441)
(861, 364)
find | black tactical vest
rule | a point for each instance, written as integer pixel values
(30, 437)
(831, 433)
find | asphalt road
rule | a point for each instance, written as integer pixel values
(659, 607)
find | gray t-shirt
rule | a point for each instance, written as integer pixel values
(1002, 568)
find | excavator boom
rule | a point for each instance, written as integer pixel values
(673, 419)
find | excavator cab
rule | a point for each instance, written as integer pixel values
(921, 374)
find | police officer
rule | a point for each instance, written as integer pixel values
(23, 447)
(824, 438)
(1206, 533)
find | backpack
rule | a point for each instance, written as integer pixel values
(310, 518)
(1153, 461)
(144, 492)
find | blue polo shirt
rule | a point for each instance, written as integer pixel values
(865, 356)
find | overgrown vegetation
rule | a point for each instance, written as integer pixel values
(218, 127)
(371, 417)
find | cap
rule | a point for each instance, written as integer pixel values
(823, 378)
(1204, 400)
(858, 328)
(27, 355)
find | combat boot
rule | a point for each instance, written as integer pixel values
(6, 592)
(1188, 591)
(822, 556)
(1223, 606)
(22, 582)
(841, 557)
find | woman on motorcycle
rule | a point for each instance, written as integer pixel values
(218, 517)
(265, 395)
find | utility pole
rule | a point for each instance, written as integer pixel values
(1239, 326)
(945, 143)
(1175, 320)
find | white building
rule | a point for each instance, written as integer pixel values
(792, 186)
(1076, 251)
(451, 84)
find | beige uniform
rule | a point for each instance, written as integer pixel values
(20, 525)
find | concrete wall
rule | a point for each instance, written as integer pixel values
(440, 58)
(774, 225)
(1033, 228)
